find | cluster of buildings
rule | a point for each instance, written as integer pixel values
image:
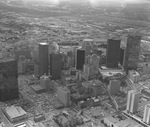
(81, 75)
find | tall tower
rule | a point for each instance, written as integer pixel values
(132, 101)
(132, 52)
(55, 65)
(43, 59)
(113, 53)
(146, 116)
(80, 59)
(87, 45)
(63, 94)
(95, 62)
(8, 80)
(122, 52)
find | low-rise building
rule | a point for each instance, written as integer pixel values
(15, 113)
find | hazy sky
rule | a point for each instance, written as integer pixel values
(93, 2)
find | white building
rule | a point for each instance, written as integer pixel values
(146, 116)
(134, 76)
(132, 101)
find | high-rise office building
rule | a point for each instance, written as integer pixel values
(113, 53)
(146, 115)
(43, 59)
(132, 52)
(8, 80)
(35, 55)
(132, 101)
(55, 65)
(87, 45)
(88, 71)
(80, 59)
(63, 94)
(95, 62)
(122, 51)
(22, 65)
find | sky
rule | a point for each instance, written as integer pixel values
(91, 1)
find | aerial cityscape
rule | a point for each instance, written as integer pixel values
(74, 63)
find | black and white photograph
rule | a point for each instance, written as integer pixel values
(74, 63)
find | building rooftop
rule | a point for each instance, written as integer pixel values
(89, 40)
(7, 60)
(15, 111)
(122, 121)
(91, 83)
(43, 43)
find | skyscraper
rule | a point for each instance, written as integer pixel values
(80, 58)
(63, 94)
(88, 71)
(95, 62)
(146, 116)
(122, 51)
(132, 101)
(22, 65)
(132, 52)
(55, 65)
(113, 53)
(43, 59)
(8, 80)
(87, 45)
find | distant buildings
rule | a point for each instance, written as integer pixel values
(113, 53)
(87, 46)
(43, 59)
(63, 94)
(55, 66)
(92, 66)
(132, 101)
(80, 59)
(8, 80)
(132, 52)
(146, 116)
(22, 65)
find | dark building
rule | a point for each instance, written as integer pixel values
(8, 80)
(43, 59)
(80, 59)
(113, 53)
(122, 50)
(132, 52)
(55, 65)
